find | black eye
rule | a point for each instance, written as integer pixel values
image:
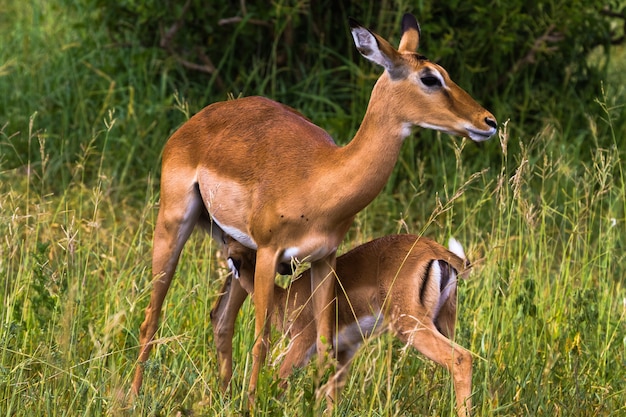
(431, 81)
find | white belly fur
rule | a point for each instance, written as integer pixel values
(237, 234)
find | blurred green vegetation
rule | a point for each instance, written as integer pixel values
(138, 61)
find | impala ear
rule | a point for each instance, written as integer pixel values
(411, 34)
(376, 49)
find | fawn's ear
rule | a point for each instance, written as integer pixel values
(376, 49)
(411, 34)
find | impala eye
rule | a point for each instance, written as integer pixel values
(431, 81)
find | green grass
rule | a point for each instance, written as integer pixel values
(81, 130)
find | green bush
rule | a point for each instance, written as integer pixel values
(138, 63)
(518, 56)
(524, 61)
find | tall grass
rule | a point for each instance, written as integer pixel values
(544, 311)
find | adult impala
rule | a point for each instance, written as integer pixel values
(404, 283)
(260, 172)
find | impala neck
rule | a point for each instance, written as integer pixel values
(368, 160)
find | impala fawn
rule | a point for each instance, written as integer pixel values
(403, 283)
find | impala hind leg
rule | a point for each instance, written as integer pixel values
(300, 349)
(177, 217)
(456, 359)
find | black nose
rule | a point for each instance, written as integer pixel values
(491, 122)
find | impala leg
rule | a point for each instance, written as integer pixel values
(174, 225)
(298, 353)
(223, 317)
(263, 297)
(323, 297)
(228, 304)
(332, 389)
(458, 360)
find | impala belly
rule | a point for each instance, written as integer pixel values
(237, 234)
(228, 204)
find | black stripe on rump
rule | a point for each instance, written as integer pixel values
(445, 275)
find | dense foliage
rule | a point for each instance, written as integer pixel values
(516, 54)
(162, 61)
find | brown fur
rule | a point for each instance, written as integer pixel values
(387, 276)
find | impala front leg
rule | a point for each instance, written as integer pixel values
(263, 297)
(323, 296)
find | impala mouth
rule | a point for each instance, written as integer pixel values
(476, 135)
(480, 135)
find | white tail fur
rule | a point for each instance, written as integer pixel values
(456, 248)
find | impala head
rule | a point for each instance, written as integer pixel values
(421, 92)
